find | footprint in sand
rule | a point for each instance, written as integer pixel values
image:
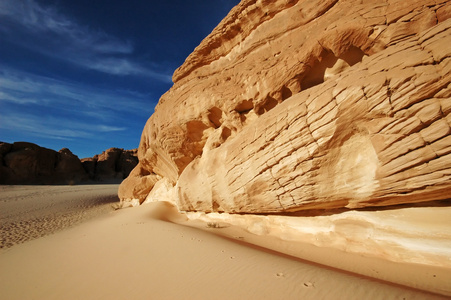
(280, 275)
(308, 284)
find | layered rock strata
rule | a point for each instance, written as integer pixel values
(295, 105)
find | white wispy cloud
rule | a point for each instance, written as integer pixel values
(25, 88)
(47, 31)
(42, 127)
(121, 66)
(16, 99)
(38, 19)
(105, 128)
(54, 127)
(46, 107)
(116, 66)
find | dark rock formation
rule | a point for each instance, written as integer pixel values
(28, 163)
(113, 164)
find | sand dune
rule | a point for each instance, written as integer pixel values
(140, 253)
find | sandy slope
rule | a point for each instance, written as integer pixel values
(136, 253)
(28, 212)
(405, 245)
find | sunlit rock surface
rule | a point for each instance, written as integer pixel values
(310, 111)
(294, 105)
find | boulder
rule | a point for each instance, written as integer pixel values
(295, 105)
(137, 186)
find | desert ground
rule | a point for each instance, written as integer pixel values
(32, 211)
(68, 242)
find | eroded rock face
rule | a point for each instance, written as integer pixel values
(293, 105)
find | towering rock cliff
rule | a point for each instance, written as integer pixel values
(291, 105)
(302, 113)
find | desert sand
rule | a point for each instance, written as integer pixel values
(155, 252)
(31, 211)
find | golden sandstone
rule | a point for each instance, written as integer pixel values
(294, 105)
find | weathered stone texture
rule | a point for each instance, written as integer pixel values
(292, 105)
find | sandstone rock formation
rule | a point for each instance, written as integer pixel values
(112, 164)
(27, 163)
(291, 105)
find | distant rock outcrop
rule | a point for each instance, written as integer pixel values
(112, 164)
(295, 105)
(28, 163)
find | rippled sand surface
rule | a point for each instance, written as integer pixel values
(28, 212)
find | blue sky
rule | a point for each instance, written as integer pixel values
(87, 74)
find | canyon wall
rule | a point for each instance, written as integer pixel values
(293, 105)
